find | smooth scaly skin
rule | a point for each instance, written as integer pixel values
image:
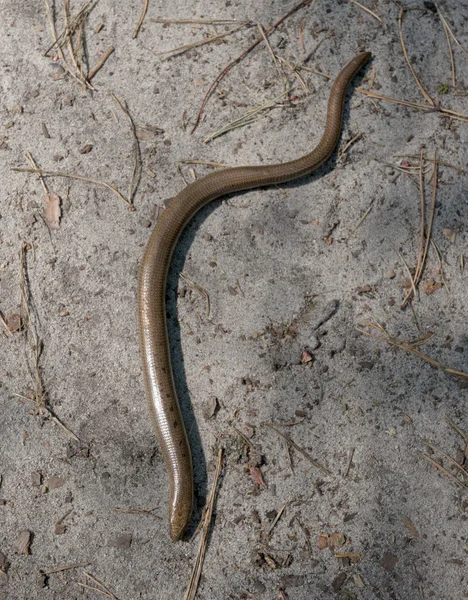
(162, 398)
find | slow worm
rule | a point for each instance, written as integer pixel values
(159, 380)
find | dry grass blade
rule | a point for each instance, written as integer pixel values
(342, 151)
(73, 26)
(372, 94)
(248, 117)
(102, 589)
(194, 161)
(141, 19)
(405, 264)
(51, 414)
(421, 236)
(448, 457)
(363, 218)
(5, 325)
(65, 567)
(242, 56)
(441, 163)
(411, 348)
(75, 22)
(460, 432)
(452, 62)
(57, 42)
(209, 40)
(443, 470)
(295, 71)
(113, 189)
(368, 10)
(136, 174)
(272, 54)
(34, 349)
(198, 566)
(300, 450)
(403, 47)
(447, 26)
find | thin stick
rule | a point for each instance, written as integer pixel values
(403, 47)
(368, 10)
(201, 42)
(300, 450)
(141, 19)
(364, 216)
(198, 565)
(243, 55)
(351, 455)
(100, 63)
(79, 177)
(412, 350)
(199, 21)
(272, 54)
(33, 164)
(277, 518)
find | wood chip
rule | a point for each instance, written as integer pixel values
(52, 212)
(23, 542)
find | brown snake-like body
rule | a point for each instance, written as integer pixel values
(162, 398)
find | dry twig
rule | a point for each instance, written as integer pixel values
(243, 55)
(198, 565)
(403, 47)
(368, 10)
(141, 19)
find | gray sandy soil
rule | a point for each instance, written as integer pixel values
(291, 275)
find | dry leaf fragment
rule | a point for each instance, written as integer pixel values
(408, 523)
(431, 286)
(257, 476)
(358, 581)
(333, 540)
(54, 482)
(306, 356)
(14, 322)
(52, 212)
(450, 234)
(23, 542)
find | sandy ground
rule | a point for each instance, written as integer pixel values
(291, 274)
